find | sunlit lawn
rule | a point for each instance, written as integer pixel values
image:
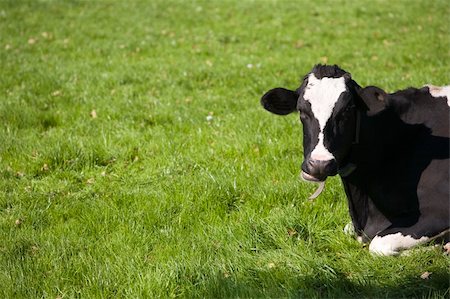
(135, 160)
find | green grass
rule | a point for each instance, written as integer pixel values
(149, 199)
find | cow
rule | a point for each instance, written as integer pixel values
(391, 151)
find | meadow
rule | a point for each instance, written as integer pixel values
(136, 161)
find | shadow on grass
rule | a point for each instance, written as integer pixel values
(322, 286)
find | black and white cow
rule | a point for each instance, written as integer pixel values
(391, 151)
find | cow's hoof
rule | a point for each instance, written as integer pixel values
(349, 230)
(447, 249)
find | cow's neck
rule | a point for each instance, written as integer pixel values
(378, 139)
(374, 139)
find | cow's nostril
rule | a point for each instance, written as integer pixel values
(321, 168)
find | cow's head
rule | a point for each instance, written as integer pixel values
(327, 101)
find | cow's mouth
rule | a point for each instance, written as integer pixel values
(310, 178)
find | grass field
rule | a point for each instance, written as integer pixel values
(136, 161)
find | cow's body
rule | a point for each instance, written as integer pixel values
(401, 180)
(391, 151)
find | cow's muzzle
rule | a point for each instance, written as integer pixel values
(318, 170)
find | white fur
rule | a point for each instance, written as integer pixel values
(349, 230)
(437, 91)
(392, 244)
(320, 152)
(323, 94)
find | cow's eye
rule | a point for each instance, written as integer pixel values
(304, 116)
(344, 115)
(350, 107)
(347, 112)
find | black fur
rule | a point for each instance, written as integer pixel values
(331, 71)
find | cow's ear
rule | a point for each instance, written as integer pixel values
(280, 101)
(374, 98)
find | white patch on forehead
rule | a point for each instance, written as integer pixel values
(392, 244)
(323, 94)
(437, 91)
